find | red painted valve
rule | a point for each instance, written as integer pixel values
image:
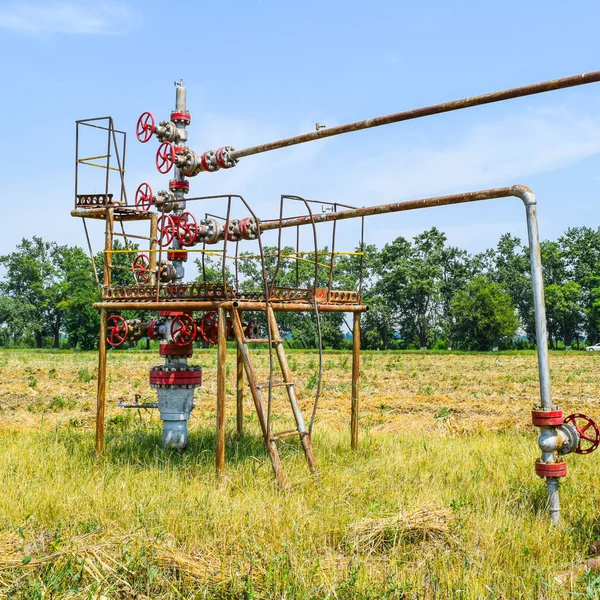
(143, 197)
(165, 157)
(183, 330)
(582, 423)
(117, 330)
(187, 231)
(166, 230)
(145, 127)
(141, 268)
(209, 327)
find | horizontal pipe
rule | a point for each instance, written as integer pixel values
(518, 92)
(381, 209)
(228, 305)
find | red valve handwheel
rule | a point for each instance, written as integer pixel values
(166, 230)
(143, 197)
(165, 157)
(183, 330)
(141, 268)
(187, 231)
(209, 327)
(117, 330)
(144, 129)
(582, 423)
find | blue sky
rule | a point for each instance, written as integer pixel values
(257, 71)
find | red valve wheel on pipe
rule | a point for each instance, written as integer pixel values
(144, 129)
(118, 330)
(183, 330)
(141, 268)
(582, 423)
(209, 327)
(187, 231)
(166, 230)
(165, 157)
(143, 197)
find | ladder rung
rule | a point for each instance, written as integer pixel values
(289, 433)
(261, 341)
(274, 384)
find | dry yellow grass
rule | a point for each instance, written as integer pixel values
(439, 501)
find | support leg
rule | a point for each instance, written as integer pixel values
(101, 396)
(221, 373)
(355, 377)
(240, 393)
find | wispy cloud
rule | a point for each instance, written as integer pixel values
(489, 154)
(82, 18)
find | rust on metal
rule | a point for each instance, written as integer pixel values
(417, 113)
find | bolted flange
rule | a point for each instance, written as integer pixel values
(554, 469)
(546, 418)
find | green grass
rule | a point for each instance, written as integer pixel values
(143, 520)
(445, 434)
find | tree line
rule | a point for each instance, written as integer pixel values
(422, 293)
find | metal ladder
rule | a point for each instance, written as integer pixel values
(255, 389)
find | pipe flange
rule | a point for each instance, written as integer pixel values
(554, 469)
(175, 351)
(181, 117)
(213, 231)
(182, 185)
(209, 161)
(232, 229)
(177, 255)
(546, 418)
(223, 157)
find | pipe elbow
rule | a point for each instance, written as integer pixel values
(525, 193)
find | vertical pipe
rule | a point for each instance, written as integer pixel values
(153, 243)
(539, 306)
(221, 374)
(101, 395)
(355, 378)
(553, 499)
(240, 393)
(537, 280)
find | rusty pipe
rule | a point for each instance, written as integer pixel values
(416, 113)
(381, 209)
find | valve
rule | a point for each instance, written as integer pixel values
(166, 230)
(252, 330)
(183, 330)
(145, 127)
(187, 229)
(165, 157)
(588, 442)
(141, 268)
(118, 330)
(143, 197)
(209, 327)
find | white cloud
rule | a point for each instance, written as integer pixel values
(489, 154)
(62, 16)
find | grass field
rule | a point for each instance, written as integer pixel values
(440, 501)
